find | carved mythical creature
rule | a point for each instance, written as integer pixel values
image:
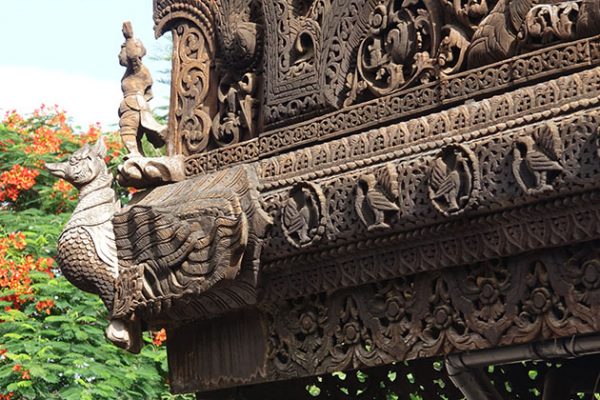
(149, 261)
(136, 118)
(90, 226)
(239, 36)
(536, 157)
(373, 197)
(497, 35)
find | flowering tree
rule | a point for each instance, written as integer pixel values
(52, 343)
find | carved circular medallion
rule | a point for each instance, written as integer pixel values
(454, 180)
(303, 218)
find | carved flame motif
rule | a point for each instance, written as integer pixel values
(376, 194)
(537, 158)
(303, 217)
(453, 180)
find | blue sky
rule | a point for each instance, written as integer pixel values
(65, 52)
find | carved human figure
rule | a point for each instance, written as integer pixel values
(135, 116)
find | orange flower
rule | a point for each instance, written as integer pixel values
(159, 337)
(15, 180)
(17, 368)
(45, 306)
(45, 140)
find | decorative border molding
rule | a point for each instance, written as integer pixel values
(497, 187)
(449, 91)
(405, 139)
(554, 223)
(522, 299)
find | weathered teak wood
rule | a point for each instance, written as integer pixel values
(351, 183)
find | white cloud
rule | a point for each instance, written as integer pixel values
(85, 99)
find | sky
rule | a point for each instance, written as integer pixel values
(64, 52)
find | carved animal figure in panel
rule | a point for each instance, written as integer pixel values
(375, 196)
(537, 159)
(453, 180)
(304, 215)
(168, 253)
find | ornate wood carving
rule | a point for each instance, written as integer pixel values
(190, 110)
(429, 171)
(501, 302)
(158, 261)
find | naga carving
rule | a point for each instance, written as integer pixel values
(156, 261)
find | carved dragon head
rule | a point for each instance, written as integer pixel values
(83, 166)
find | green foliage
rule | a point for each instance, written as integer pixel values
(52, 343)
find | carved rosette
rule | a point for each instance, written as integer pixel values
(454, 180)
(304, 215)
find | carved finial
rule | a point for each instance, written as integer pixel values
(127, 30)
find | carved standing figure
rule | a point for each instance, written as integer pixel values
(136, 118)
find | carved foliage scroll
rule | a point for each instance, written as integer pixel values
(496, 303)
(190, 112)
(398, 50)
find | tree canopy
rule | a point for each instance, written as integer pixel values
(52, 343)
